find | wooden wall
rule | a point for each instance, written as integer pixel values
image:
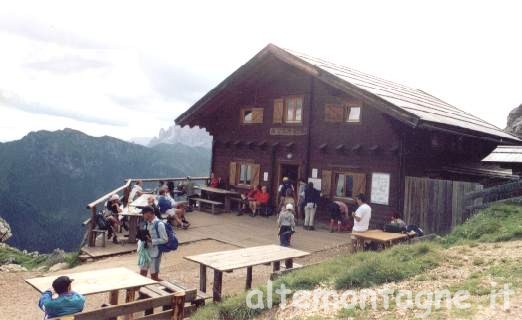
(435, 205)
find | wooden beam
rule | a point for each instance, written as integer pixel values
(178, 304)
(248, 284)
(218, 281)
(203, 278)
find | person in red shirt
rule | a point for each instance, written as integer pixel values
(214, 182)
(261, 199)
(249, 198)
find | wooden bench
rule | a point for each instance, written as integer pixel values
(173, 309)
(239, 202)
(193, 297)
(212, 203)
(96, 232)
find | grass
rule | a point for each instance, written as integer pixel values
(367, 269)
(495, 224)
(30, 262)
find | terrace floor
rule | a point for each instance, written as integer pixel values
(240, 231)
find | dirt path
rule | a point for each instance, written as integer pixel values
(18, 300)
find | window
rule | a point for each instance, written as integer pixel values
(288, 110)
(251, 115)
(342, 113)
(353, 114)
(348, 184)
(293, 109)
(244, 173)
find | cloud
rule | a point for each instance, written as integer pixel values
(46, 32)
(16, 102)
(174, 82)
(67, 64)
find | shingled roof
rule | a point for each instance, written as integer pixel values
(413, 106)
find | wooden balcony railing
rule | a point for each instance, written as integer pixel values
(125, 189)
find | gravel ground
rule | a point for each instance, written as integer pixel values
(18, 300)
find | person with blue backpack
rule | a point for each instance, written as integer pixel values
(160, 238)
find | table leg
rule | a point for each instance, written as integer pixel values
(227, 203)
(133, 226)
(113, 297)
(248, 284)
(289, 263)
(130, 296)
(276, 266)
(218, 280)
(203, 278)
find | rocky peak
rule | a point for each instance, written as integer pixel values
(514, 121)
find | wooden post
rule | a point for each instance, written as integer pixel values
(90, 236)
(289, 263)
(203, 278)
(113, 297)
(276, 266)
(216, 290)
(130, 296)
(227, 202)
(178, 304)
(249, 278)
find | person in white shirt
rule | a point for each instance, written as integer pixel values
(361, 218)
(156, 235)
(136, 191)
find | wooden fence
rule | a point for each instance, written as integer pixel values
(486, 197)
(436, 205)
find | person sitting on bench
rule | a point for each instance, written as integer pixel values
(248, 199)
(68, 301)
(175, 216)
(361, 219)
(261, 200)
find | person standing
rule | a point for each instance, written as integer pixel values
(312, 198)
(157, 235)
(361, 219)
(286, 224)
(68, 301)
(300, 200)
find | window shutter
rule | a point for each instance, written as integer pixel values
(257, 115)
(233, 173)
(278, 110)
(326, 183)
(255, 174)
(359, 184)
(333, 113)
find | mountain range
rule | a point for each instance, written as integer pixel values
(47, 178)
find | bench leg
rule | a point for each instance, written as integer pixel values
(113, 297)
(289, 263)
(276, 266)
(218, 280)
(212, 208)
(202, 278)
(248, 284)
(129, 297)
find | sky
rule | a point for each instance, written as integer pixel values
(128, 68)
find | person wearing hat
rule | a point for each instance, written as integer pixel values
(157, 234)
(190, 192)
(112, 214)
(67, 302)
(286, 224)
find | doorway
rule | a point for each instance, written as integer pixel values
(291, 171)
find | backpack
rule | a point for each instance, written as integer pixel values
(172, 243)
(101, 221)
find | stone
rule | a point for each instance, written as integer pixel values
(5, 231)
(41, 269)
(57, 256)
(12, 268)
(514, 121)
(59, 266)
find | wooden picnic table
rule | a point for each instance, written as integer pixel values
(226, 193)
(227, 261)
(386, 239)
(134, 215)
(99, 281)
(141, 201)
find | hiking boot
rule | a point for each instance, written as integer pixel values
(311, 228)
(115, 240)
(185, 226)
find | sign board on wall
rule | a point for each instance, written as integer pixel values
(265, 176)
(380, 188)
(316, 182)
(314, 173)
